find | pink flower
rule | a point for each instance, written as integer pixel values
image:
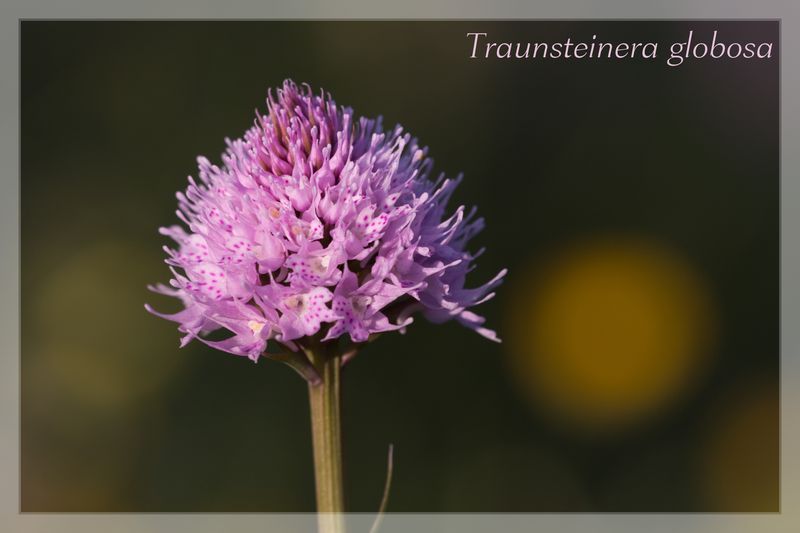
(318, 225)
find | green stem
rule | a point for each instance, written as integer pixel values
(326, 434)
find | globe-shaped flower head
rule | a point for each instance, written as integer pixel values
(319, 225)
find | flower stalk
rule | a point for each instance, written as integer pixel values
(320, 231)
(325, 401)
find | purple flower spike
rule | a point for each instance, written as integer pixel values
(318, 225)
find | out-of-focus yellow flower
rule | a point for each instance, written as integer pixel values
(608, 332)
(740, 465)
(97, 346)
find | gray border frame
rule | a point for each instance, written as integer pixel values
(788, 11)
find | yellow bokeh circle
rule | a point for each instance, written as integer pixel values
(607, 332)
(740, 461)
(91, 340)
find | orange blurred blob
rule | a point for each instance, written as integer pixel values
(740, 459)
(608, 332)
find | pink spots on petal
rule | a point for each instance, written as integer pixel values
(311, 173)
(207, 280)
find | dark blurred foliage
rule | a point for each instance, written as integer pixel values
(653, 191)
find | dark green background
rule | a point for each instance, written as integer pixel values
(113, 116)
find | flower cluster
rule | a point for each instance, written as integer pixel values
(318, 224)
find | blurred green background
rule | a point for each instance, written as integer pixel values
(635, 205)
